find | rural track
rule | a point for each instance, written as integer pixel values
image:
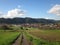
(17, 42)
(21, 40)
(24, 40)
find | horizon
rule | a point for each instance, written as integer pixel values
(47, 9)
(30, 17)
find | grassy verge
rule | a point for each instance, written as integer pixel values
(7, 38)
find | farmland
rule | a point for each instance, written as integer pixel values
(44, 37)
(16, 35)
(8, 37)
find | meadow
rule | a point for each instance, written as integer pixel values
(43, 37)
(34, 36)
(8, 37)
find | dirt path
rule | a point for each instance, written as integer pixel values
(17, 42)
(21, 40)
(24, 40)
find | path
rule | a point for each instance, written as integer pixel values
(24, 40)
(21, 40)
(17, 42)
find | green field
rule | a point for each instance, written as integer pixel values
(34, 36)
(43, 37)
(7, 37)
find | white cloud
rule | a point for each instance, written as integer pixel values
(46, 18)
(1, 13)
(13, 13)
(55, 10)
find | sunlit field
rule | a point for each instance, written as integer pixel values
(44, 37)
(8, 37)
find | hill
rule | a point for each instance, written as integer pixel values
(27, 20)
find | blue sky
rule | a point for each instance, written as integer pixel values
(30, 8)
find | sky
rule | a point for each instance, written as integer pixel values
(48, 9)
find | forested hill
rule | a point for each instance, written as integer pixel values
(26, 20)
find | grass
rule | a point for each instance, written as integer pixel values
(44, 37)
(34, 40)
(35, 36)
(7, 37)
(52, 35)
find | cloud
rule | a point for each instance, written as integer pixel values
(17, 12)
(46, 18)
(55, 10)
(1, 13)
